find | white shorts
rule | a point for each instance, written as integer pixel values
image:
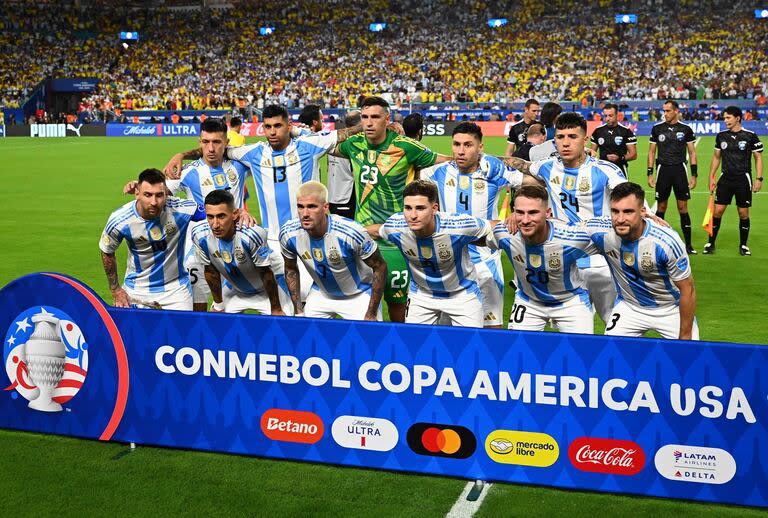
(277, 263)
(180, 299)
(236, 302)
(354, 307)
(574, 316)
(598, 280)
(462, 309)
(630, 320)
(200, 289)
(490, 280)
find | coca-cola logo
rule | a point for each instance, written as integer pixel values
(140, 130)
(612, 456)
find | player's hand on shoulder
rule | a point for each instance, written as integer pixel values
(396, 127)
(246, 220)
(172, 169)
(120, 298)
(130, 187)
(591, 152)
(509, 222)
(658, 220)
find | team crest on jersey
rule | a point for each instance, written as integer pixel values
(443, 251)
(219, 180)
(618, 140)
(333, 255)
(629, 258)
(170, 229)
(646, 263)
(535, 260)
(463, 181)
(680, 136)
(600, 141)
(155, 233)
(279, 160)
(371, 156)
(584, 185)
(239, 255)
(662, 138)
(105, 240)
(570, 181)
(207, 183)
(479, 185)
(554, 262)
(742, 145)
(232, 175)
(226, 256)
(292, 157)
(723, 145)
(426, 252)
(317, 253)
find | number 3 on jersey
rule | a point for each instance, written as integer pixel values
(369, 174)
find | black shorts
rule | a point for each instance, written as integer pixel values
(738, 186)
(669, 177)
(345, 210)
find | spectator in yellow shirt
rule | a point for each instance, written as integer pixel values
(234, 136)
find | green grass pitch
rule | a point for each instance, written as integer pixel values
(57, 196)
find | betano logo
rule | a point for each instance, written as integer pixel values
(523, 448)
(441, 440)
(292, 426)
(364, 433)
(695, 464)
(618, 457)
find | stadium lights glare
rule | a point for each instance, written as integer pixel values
(626, 18)
(377, 27)
(761, 13)
(497, 22)
(266, 31)
(131, 36)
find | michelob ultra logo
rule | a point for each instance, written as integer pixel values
(523, 448)
(441, 440)
(364, 433)
(292, 426)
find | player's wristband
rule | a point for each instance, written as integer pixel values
(694, 170)
(217, 306)
(759, 178)
(650, 171)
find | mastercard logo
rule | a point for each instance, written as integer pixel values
(441, 440)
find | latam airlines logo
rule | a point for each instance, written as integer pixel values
(441, 440)
(46, 358)
(292, 426)
(695, 464)
(611, 456)
(364, 433)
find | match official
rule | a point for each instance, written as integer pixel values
(519, 130)
(615, 143)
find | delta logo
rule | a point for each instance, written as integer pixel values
(523, 448)
(441, 440)
(612, 456)
(697, 464)
(292, 426)
(364, 433)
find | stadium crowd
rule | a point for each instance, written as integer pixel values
(323, 52)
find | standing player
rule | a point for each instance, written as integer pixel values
(543, 254)
(154, 227)
(413, 126)
(615, 143)
(651, 269)
(547, 149)
(341, 183)
(241, 256)
(471, 184)
(443, 282)
(233, 135)
(312, 117)
(674, 139)
(734, 147)
(348, 271)
(383, 162)
(519, 130)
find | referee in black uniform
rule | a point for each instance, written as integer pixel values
(616, 143)
(673, 138)
(735, 147)
(517, 133)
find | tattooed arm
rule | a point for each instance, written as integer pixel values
(294, 284)
(379, 267)
(120, 298)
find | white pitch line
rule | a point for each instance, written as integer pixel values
(464, 508)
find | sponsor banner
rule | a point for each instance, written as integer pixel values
(387, 396)
(80, 84)
(153, 130)
(56, 130)
(256, 129)
(700, 128)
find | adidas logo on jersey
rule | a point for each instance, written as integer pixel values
(410, 252)
(451, 183)
(489, 317)
(519, 259)
(555, 180)
(306, 256)
(613, 253)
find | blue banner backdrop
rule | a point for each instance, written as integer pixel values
(643, 416)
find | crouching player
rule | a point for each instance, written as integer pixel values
(543, 253)
(346, 266)
(240, 256)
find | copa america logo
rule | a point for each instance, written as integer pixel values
(46, 357)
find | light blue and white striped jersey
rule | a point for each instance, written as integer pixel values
(440, 264)
(336, 260)
(155, 246)
(547, 273)
(278, 174)
(198, 179)
(238, 260)
(476, 193)
(644, 270)
(577, 194)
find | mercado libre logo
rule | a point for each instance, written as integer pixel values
(46, 358)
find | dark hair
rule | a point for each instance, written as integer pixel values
(151, 176)
(421, 188)
(374, 100)
(352, 119)
(536, 128)
(469, 128)
(413, 124)
(611, 106)
(234, 122)
(275, 110)
(549, 113)
(220, 197)
(309, 114)
(735, 111)
(530, 102)
(535, 192)
(211, 125)
(570, 120)
(625, 189)
(673, 104)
